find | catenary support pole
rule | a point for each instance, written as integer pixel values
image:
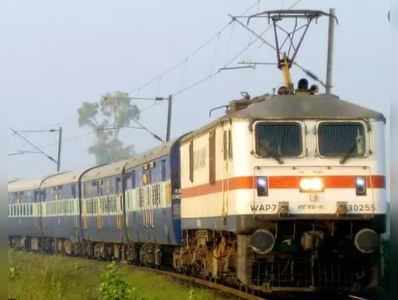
(329, 66)
(59, 149)
(169, 111)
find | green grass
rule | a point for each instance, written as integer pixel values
(36, 277)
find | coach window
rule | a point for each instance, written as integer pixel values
(146, 175)
(52, 194)
(163, 169)
(101, 187)
(19, 197)
(278, 139)
(118, 183)
(73, 190)
(133, 179)
(57, 192)
(94, 189)
(110, 186)
(36, 196)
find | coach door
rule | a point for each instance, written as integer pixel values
(148, 217)
(37, 211)
(119, 204)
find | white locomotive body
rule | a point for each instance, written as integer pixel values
(283, 173)
(223, 169)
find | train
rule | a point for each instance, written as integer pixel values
(282, 193)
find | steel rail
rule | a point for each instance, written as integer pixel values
(205, 283)
(223, 289)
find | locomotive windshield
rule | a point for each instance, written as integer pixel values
(341, 139)
(278, 139)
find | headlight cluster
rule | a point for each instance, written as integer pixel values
(311, 185)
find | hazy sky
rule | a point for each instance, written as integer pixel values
(55, 55)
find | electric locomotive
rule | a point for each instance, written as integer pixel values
(285, 192)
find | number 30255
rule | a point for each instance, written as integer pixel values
(360, 207)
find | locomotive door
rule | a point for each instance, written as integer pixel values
(226, 173)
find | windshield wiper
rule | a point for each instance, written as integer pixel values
(349, 153)
(271, 152)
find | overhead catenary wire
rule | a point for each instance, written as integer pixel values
(183, 63)
(34, 146)
(227, 64)
(187, 58)
(148, 130)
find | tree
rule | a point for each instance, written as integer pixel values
(106, 118)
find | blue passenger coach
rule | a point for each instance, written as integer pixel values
(102, 215)
(61, 210)
(24, 223)
(149, 190)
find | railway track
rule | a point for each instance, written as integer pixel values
(226, 289)
(205, 283)
(223, 289)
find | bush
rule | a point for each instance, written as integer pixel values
(113, 285)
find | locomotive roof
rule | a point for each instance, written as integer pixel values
(24, 185)
(61, 179)
(295, 107)
(305, 107)
(102, 171)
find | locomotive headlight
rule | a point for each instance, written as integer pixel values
(361, 186)
(262, 186)
(311, 185)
